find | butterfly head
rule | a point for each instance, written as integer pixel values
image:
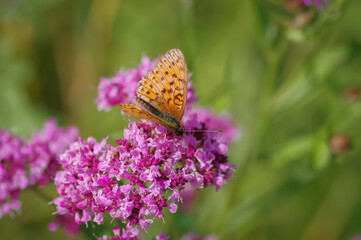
(179, 131)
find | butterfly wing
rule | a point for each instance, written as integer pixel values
(165, 87)
(136, 111)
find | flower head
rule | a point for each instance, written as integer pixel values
(127, 234)
(68, 223)
(230, 133)
(45, 147)
(162, 236)
(23, 165)
(122, 87)
(142, 176)
(318, 3)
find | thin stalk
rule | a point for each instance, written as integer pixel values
(41, 194)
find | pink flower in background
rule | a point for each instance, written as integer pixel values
(191, 95)
(162, 236)
(127, 234)
(121, 88)
(136, 180)
(318, 3)
(13, 172)
(44, 149)
(23, 165)
(216, 121)
(358, 237)
(68, 223)
(188, 195)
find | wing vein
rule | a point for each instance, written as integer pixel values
(170, 114)
(185, 79)
(163, 104)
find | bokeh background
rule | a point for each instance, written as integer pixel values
(288, 74)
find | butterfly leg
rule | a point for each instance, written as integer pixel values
(161, 136)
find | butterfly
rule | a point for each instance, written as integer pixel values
(162, 93)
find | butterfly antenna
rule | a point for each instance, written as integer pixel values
(204, 130)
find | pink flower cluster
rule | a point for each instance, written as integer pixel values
(318, 3)
(136, 180)
(127, 234)
(23, 165)
(145, 173)
(121, 88)
(68, 224)
(217, 121)
(133, 234)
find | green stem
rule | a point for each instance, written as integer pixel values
(264, 112)
(41, 194)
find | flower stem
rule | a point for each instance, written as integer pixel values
(41, 194)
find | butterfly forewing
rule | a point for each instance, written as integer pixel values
(148, 91)
(162, 93)
(165, 87)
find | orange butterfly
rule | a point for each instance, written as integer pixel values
(162, 93)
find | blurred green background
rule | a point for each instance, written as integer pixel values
(288, 74)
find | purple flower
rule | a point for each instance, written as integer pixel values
(188, 195)
(358, 237)
(191, 95)
(218, 122)
(145, 173)
(68, 223)
(127, 234)
(122, 87)
(45, 147)
(142, 176)
(162, 236)
(23, 165)
(318, 3)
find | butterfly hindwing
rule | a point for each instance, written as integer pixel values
(136, 111)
